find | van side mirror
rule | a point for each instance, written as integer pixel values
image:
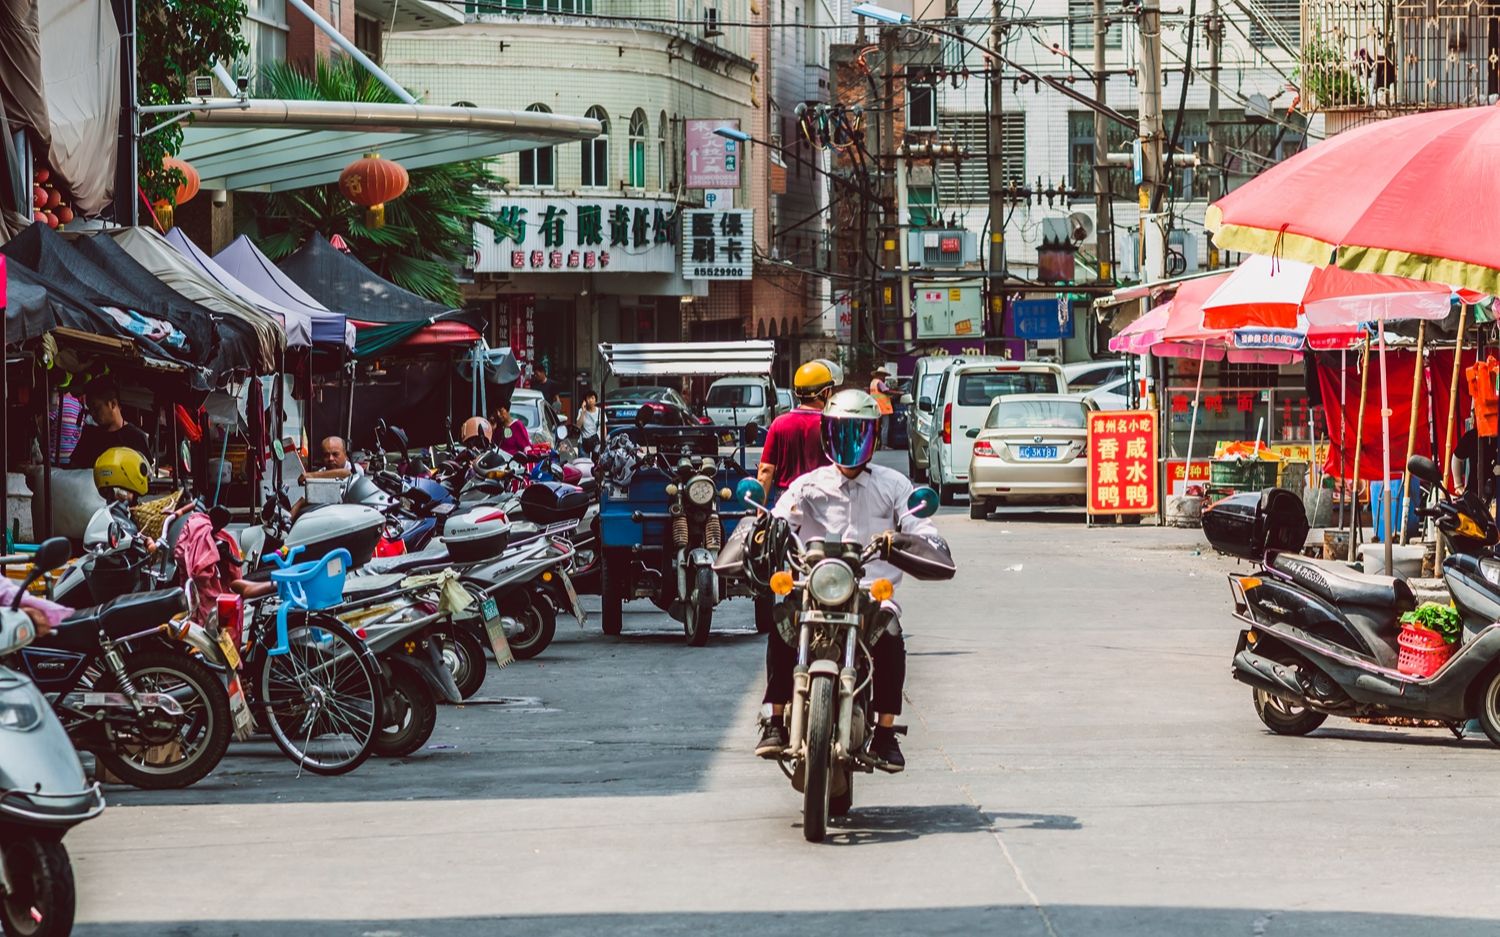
(925, 403)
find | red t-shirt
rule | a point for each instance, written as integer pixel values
(794, 445)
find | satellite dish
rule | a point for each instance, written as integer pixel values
(1257, 107)
(1080, 227)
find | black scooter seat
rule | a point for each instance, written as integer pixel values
(1341, 585)
(130, 613)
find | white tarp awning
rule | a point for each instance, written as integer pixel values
(696, 359)
(275, 146)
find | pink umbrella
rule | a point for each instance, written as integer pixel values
(1265, 291)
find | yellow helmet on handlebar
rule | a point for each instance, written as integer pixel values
(120, 467)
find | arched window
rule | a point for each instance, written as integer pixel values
(539, 166)
(661, 152)
(639, 130)
(595, 164)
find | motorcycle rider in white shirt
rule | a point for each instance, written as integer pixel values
(853, 500)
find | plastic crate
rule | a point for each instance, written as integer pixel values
(1243, 474)
(1423, 651)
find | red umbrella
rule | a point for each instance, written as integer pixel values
(1415, 196)
(1267, 292)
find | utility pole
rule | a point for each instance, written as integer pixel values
(996, 262)
(1149, 167)
(1215, 151)
(1104, 215)
(885, 163)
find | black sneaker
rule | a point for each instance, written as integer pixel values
(883, 745)
(773, 738)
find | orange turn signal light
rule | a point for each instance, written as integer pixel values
(781, 583)
(547, 576)
(881, 590)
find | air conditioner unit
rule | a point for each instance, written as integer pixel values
(921, 107)
(711, 22)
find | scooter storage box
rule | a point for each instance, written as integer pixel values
(553, 502)
(471, 540)
(353, 527)
(1249, 524)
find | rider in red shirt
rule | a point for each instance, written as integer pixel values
(793, 444)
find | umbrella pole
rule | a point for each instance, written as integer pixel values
(1187, 475)
(1385, 448)
(1447, 451)
(1343, 419)
(1411, 429)
(1359, 442)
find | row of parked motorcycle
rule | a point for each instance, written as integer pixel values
(334, 629)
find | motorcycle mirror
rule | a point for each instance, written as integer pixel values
(750, 491)
(750, 432)
(1425, 469)
(922, 502)
(51, 554)
(218, 517)
(562, 433)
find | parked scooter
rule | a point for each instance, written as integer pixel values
(830, 719)
(43, 791)
(1321, 639)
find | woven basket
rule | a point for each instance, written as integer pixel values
(151, 516)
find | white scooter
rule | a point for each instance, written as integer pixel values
(43, 791)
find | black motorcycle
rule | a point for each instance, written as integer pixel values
(1320, 639)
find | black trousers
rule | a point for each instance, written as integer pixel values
(889, 654)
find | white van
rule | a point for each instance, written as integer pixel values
(735, 401)
(963, 399)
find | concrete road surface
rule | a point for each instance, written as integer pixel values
(1080, 764)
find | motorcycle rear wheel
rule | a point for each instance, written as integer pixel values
(463, 655)
(815, 784)
(538, 625)
(698, 609)
(200, 741)
(410, 715)
(41, 873)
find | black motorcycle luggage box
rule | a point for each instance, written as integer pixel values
(1249, 524)
(553, 502)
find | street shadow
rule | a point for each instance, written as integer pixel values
(1399, 735)
(1012, 920)
(896, 824)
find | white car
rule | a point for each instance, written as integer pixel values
(964, 395)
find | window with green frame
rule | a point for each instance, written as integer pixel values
(639, 130)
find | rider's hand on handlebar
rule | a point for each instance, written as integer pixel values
(39, 621)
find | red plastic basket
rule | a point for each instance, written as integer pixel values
(1423, 651)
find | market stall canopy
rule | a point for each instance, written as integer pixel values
(32, 309)
(153, 257)
(245, 262)
(276, 146)
(705, 359)
(98, 284)
(374, 339)
(297, 325)
(340, 282)
(60, 81)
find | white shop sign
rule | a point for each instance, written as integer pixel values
(573, 235)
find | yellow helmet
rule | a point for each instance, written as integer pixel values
(816, 376)
(120, 467)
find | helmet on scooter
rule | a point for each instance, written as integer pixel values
(475, 432)
(119, 467)
(850, 426)
(817, 376)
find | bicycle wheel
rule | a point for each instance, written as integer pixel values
(321, 699)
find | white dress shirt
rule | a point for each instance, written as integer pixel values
(826, 504)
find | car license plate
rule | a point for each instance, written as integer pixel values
(1038, 452)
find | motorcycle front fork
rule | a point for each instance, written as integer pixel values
(801, 684)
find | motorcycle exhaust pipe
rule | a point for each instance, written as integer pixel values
(1266, 674)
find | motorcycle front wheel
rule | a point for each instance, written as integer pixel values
(538, 624)
(463, 655)
(41, 902)
(157, 756)
(698, 611)
(815, 785)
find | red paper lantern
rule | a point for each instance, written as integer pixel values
(189, 185)
(38, 197)
(372, 182)
(65, 214)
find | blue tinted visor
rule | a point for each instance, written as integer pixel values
(849, 442)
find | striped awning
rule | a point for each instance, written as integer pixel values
(707, 359)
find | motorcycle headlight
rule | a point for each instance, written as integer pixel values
(831, 583)
(700, 491)
(21, 705)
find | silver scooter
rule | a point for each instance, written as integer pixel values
(43, 792)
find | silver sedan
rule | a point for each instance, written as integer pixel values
(1031, 447)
